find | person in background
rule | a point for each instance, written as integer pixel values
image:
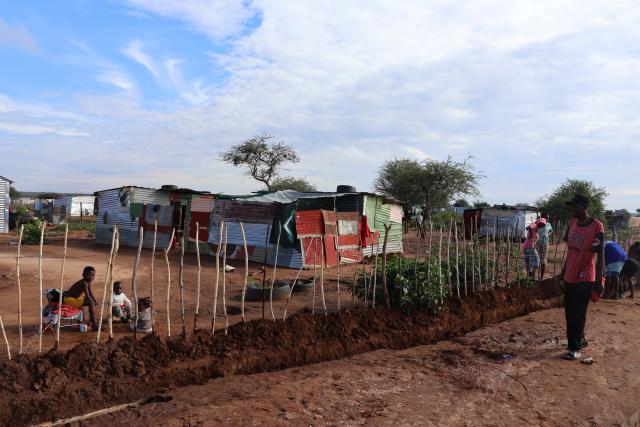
(531, 256)
(545, 231)
(614, 258)
(582, 271)
(628, 272)
(121, 305)
(80, 295)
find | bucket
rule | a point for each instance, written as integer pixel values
(143, 322)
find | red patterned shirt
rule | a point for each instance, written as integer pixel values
(583, 242)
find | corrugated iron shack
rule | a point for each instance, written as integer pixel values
(503, 221)
(72, 206)
(132, 207)
(5, 202)
(314, 228)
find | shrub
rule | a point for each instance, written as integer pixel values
(31, 235)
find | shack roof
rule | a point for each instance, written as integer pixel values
(6, 179)
(174, 190)
(290, 196)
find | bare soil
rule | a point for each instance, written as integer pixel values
(508, 374)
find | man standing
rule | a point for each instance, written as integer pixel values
(542, 245)
(582, 271)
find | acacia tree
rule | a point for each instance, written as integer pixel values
(292, 183)
(261, 158)
(555, 203)
(431, 184)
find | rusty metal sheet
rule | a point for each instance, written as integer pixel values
(309, 223)
(330, 223)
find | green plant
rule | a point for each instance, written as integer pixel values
(31, 235)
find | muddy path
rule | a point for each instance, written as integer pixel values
(91, 376)
(508, 374)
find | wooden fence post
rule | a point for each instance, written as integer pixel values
(215, 292)
(6, 341)
(246, 268)
(64, 258)
(112, 276)
(198, 279)
(18, 279)
(181, 283)
(134, 279)
(387, 228)
(153, 257)
(106, 281)
(275, 267)
(166, 258)
(42, 227)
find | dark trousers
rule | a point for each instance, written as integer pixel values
(576, 300)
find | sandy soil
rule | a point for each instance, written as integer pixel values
(465, 382)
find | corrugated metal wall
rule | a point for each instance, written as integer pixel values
(4, 205)
(378, 213)
(114, 207)
(256, 220)
(72, 205)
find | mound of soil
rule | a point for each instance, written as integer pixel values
(91, 376)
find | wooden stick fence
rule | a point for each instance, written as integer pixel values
(215, 292)
(6, 341)
(198, 279)
(42, 227)
(153, 258)
(387, 228)
(106, 281)
(224, 281)
(134, 281)
(246, 268)
(168, 299)
(112, 279)
(181, 284)
(64, 258)
(18, 280)
(322, 265)
(275, 267)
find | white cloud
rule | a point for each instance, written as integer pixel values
(135, 52)
(218, 19)
(29, 129)
(536, 91)
(117, 79)
(17, 37)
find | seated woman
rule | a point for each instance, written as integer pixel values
(80, 295)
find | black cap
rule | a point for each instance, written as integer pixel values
(579, 199)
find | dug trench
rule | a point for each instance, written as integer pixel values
(90, 376)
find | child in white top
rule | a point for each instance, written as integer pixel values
(121, 304)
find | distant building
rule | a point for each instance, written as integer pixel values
(72, 206)
(617, 219)
(5, 202)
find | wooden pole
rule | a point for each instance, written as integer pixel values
(387, 228)
(296, 279)
(486, 253)
(275, 267)
(198, 279)
(455, 231)
(106, 281)
(449, 256)
(224, 280)
(246, 268)
(42, 227)
(429, 253)
(464, 255)
(440, 264)
(112, 276)
(215, 292)
(19, 289)
(181, 283)
(479, 255)
(338, 272)
(519, 246)
(375, 275)
(166, 258)
(134, 281)
(64, 258)
(508, 265)
(6, 341)
(153, 257)
(264, 267)
(495, 255)
(322, 265)
(315, 270)
(473, 259)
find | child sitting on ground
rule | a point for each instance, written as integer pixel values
(121, 304)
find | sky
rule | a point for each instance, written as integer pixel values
(97, 94)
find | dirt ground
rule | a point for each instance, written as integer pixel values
(84, 251)
(507, 374)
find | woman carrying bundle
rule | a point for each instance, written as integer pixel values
(531, 256)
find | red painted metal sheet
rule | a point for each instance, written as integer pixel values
(330, 251)
(330, 223)
(202, 218)
(309, 223)
(353, 240)
(313, 255)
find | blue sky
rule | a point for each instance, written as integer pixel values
(97, 94)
